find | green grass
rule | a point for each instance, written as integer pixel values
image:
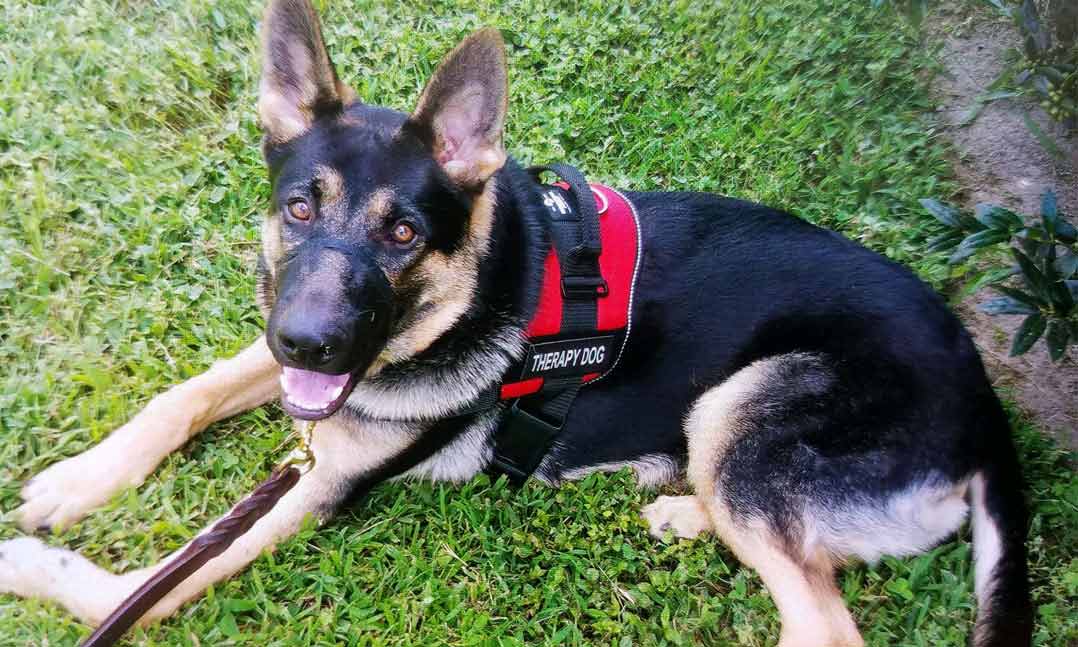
(131, 188)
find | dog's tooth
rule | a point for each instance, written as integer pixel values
(311, 405)
(337, 392)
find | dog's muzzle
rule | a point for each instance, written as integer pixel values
(330, 320)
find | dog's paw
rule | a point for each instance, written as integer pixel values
(66, 491)
(30, 568)
(23, 567)
(681, 515)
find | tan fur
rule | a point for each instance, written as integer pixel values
(341, 451)
(272, 242)
(380, 205)
(330, 184)
(449, 285)
(65, 492)
(277, 117)
(348, 96)
(812, 610)
(684, 516)
(810, 605)
(712, 424)
(649, 470)
(352, 120)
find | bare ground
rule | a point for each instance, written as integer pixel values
(999, 160)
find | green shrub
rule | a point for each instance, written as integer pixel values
(1046, 69)
(1041, 284)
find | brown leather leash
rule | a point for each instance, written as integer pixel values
(207, 545)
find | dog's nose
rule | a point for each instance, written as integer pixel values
(309, 349)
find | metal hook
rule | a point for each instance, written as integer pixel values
(302, 457)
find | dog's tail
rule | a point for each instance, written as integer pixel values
(1001, 574)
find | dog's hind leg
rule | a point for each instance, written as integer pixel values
(343, 454)
(65, 492)
(801, 583)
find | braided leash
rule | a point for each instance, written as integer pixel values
(207, 545)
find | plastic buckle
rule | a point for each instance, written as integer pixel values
(581, 288)
(525, 438)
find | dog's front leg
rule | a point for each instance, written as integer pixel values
(65, 492)
(30, 568)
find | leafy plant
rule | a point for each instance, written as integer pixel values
(1043, 70)
(1043, 283)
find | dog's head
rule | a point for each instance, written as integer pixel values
(378, 219)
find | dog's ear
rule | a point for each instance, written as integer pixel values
(461, 113)
(298, 83)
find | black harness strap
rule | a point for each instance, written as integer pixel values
(577, 242)
(532, 422)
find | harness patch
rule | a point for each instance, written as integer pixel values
(554, 201)
(569, 357)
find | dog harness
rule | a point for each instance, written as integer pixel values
(583, 319)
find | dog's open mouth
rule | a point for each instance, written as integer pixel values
(310, 395)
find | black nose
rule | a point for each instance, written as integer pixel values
(310, 349)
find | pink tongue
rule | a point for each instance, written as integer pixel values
(311, 388)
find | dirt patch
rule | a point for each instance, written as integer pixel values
(1000, 161)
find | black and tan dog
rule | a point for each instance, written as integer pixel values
(823, 402)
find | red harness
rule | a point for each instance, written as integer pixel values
(582, 320)
(618, 264)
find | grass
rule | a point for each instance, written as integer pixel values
(131, 186)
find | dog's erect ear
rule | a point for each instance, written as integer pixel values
(461, 113)
(299, 83)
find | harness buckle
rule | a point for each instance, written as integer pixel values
(527, 438)
(582, 288)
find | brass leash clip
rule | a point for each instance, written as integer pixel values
(302, 457)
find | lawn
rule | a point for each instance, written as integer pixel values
(131, 188)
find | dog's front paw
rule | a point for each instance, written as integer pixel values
(32, 569)
(22, 569)
(681, 515)
(66, 491)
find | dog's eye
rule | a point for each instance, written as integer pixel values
(403, 233)
(299, 209)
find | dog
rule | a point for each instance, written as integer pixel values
(823, 403)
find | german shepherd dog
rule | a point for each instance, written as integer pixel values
(823, 403)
